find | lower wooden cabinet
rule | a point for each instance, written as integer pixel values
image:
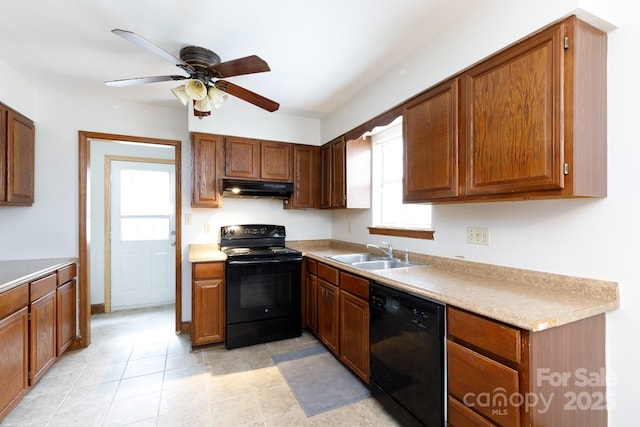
(337, 312)
(207, 303)
(328, 315)
(14, 359)
(504, 376)
(37, 324)
(42, 336)
(354, 334)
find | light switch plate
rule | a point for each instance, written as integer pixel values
(478, 235)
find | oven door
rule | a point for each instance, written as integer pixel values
(263, 289)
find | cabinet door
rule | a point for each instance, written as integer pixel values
(306, 177)
(20, 159)
(42, 339)
(338, 174)
(328, 315)
(311, 306)
(430, 129)
(354, 334)
(275, 161)
(325, 176)
(206, 164)
(514, 118)
(3, 153)
(66, 322)
(242, 158)
(208, 312)
(14, 362)
(357, 172)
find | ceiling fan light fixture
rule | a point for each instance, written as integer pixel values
(202, 105)
(181, 94)
(195, 89)
(217, 97)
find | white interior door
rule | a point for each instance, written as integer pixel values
(142, 234)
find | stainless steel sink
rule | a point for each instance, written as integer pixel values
(368, 261)
(383, 264)
(354, 258)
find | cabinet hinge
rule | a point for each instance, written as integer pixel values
(566, 168)
(29, 316)
(29, 375)
(566, 42)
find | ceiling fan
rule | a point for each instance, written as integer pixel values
(204, 69)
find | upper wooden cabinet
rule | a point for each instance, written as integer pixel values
(206, 164)
(306, 178)
(346, 174)
(430, 134)
(532, 123)
(17, 154)
(255, 159)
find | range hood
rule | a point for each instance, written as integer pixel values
(241, 188)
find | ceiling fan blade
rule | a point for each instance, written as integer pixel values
(150, 47)
(236, 67)
(141, 80)
(247, 95)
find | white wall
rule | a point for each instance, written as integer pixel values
(587, 238)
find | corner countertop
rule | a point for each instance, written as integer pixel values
(526, 299)
(205, 252)
(16, 272)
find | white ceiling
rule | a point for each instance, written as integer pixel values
(321, 53)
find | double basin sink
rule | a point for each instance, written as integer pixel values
(368, 261)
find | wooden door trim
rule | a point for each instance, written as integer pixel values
(84, 151)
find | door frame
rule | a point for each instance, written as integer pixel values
(107, 215)
(84, 285)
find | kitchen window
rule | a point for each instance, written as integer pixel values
(388, 209)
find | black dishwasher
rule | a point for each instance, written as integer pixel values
(407, 355)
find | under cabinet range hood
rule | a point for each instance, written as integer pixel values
(241, 188)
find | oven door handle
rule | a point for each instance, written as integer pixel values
(263, 261)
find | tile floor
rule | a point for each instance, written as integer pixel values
(138, 372)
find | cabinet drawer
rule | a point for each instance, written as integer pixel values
(207, 270)
(354, 284)
(472, 377)
(41, 287)
(65, 274)
(312, 266)
(327, 273)
(13, 300)
(459, 415)
(494, 337)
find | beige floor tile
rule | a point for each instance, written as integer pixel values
(148, 365)
(143, 384)
(91, 415)
(296, 417)
(147, 350)
(222, 387)
(134, 409)
(276, 401)
(264, 378)
(96, 372)
(235, 411)
(93, 394)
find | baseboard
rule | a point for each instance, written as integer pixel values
(97, 308)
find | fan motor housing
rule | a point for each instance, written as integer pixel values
(200, 59)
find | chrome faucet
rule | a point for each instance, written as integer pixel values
(388, 252)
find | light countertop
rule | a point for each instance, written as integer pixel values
(16, 272)
(527, 299)
(206, 252)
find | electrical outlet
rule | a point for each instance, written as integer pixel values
(478, 235)
(207, 227)
(187, 219)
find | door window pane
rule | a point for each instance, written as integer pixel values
(145, 205)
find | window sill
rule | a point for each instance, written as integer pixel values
(403, 232)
